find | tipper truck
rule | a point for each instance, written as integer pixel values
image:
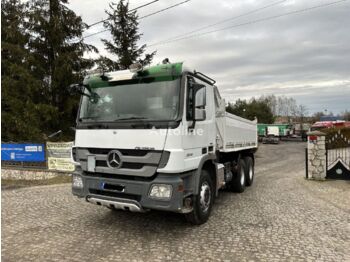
(159, 138)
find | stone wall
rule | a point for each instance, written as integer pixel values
(25, 174)
(316, 144)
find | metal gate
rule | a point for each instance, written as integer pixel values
(338, 154)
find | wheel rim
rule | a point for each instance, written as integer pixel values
(242, 176)
(205, 196)
(251, 173)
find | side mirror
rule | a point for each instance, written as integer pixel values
(79, 89)
(199, 95)
(199, 114)
(76, 89)
(199, 102)
(200, 98)
(94, 97)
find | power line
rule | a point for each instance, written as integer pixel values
(99, 32)
(164, 9)
(148, 15)
(222, 21)
(136, 8)
(131, 10)
(247, 23)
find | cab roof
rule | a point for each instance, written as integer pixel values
(161, 72)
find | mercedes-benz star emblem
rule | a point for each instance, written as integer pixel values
(114, 159)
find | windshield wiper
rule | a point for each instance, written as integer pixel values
(88, 117)
(97, 126)
(130, 118)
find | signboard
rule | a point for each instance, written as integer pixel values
(23, 152)
(59, 156)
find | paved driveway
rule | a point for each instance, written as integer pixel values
(281, 217)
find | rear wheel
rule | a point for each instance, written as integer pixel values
(239, 180)
(249, 170)
(203, 202)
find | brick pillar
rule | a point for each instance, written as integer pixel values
(316, 144)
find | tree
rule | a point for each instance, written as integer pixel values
(57, 60)
(271, 101)
(300, 115)
(317, 116)
(20, 114)
(251, 110)
(238, 108)
(346, 115)
(123, 26)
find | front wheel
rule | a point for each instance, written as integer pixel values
(203, 202)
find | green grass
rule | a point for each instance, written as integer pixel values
(14, 183)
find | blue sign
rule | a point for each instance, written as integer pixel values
(23, 152)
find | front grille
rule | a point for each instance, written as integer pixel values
(115, 194)
(132, 165)
(134, 152)
(135, 162)
(103, 163)
(99, 151)
(125, 152)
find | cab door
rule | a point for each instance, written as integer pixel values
(199, 136)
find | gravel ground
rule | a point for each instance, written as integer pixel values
(18, 183)
(282, 217)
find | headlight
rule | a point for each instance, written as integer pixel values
(77, 181)
(161, 191)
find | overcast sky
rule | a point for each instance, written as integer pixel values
(305, 56)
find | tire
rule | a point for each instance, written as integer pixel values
(239, 180)
(249, 170)
(203, 202)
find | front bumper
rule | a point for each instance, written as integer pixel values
(133, 195)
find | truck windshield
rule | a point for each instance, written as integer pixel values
(149, 101)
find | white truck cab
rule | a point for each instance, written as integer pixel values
(272, 135)
(159, 138)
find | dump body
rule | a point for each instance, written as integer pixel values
(237, 133)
